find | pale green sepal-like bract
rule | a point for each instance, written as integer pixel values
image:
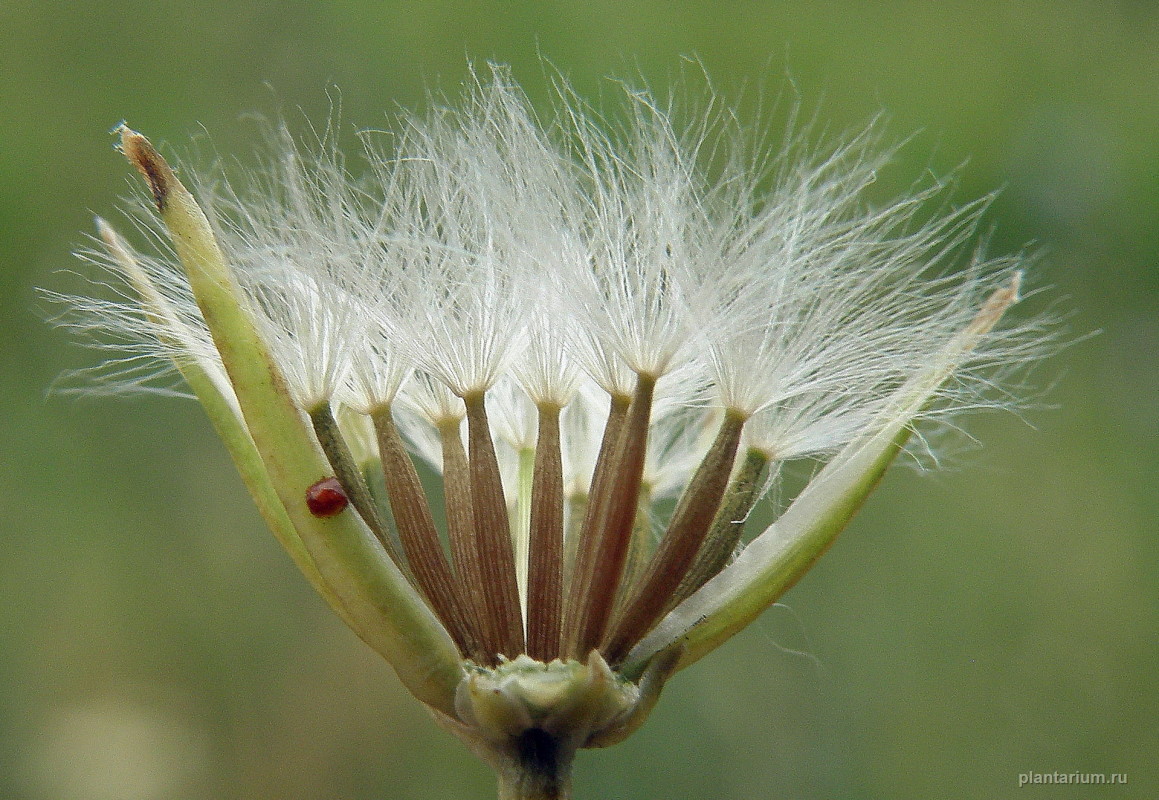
(778, 557)
(222, 414)
(379, 603)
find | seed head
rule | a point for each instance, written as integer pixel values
(667, 308)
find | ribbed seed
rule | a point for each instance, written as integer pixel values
(727, 528)
(521, 522)
(640, 550)
(420, 538)
(545, 563)
(679, 545)
(461, 532)
(493, 533)
(371, 471)
(577, 506)
(614, 512)
(337, 452)
(584, 538)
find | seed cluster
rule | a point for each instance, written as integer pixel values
(590, 602)
(571, 321)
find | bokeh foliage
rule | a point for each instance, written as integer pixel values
(996, 617)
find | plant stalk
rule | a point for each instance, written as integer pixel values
(537, 768)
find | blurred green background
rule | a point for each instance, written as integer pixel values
(993, 618)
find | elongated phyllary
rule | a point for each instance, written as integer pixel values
(571, 321)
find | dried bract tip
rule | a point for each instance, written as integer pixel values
(148, 161)
(996, 305)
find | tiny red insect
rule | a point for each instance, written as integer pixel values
(326, 498)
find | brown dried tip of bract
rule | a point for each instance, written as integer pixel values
(996, 305)
(148, 161)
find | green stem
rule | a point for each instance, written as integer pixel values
(537, 768)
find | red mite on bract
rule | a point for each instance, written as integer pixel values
(326, 498)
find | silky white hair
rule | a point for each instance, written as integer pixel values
(552, 261)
